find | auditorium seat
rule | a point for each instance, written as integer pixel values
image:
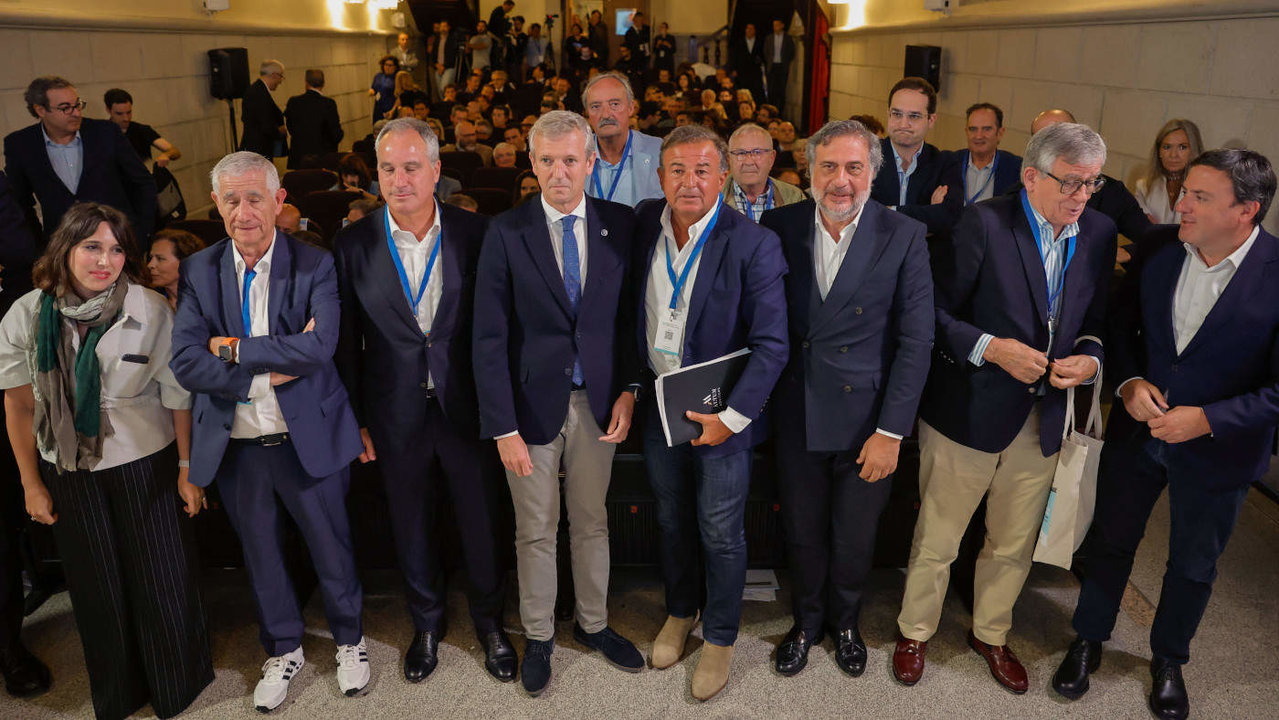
(300, 183)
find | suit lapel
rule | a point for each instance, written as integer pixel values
(803, 272)
(1245, 282)
(865, 246)
(712, 254)
(1158, 284)
(537, 238)
(281, 284)
(1031, 262)
(599, 255)
(387, 279)
(232, 319)
(451, 255)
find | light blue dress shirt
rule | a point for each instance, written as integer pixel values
(67, 160)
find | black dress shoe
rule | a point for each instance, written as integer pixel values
(792, 653)
(1168, 699)
(499, 655)
(1082, 659)
(616, 649)
(422, 656)
(850, 652)
(24, 674)
(535, 673)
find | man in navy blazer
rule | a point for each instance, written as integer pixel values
(272, 424)
(910, 178)
(66, 158)
(860, 299)
(1197, 359)
(404, 354)
(708, 282)
(552, 378)
(982, 170)
(1020, 294)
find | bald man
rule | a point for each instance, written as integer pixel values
(1113, 200)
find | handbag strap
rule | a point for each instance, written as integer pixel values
(1092, 427)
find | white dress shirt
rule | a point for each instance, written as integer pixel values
(657, 300)
(1199, 287)
(778, 39)
(261, 414)
(415, 255)
(138, 398)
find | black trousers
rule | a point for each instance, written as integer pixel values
(778, 74)
(466, 473)
(1131, 478)
(12, 517)
(831, 517)
(130, 571)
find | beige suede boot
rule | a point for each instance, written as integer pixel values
(668, 648)
(711, 674)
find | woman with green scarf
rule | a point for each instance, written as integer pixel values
(101, 432)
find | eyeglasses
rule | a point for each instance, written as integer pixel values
(1070, 187)
(68, 108)
(898, 115)
(756, 153)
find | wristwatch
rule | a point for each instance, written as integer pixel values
(226, 351)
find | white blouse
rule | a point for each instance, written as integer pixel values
(1154, 202)
(138, 394)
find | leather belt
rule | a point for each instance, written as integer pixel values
(264, 440)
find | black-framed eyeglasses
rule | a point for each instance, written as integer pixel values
(68, 108)
(1070, 187)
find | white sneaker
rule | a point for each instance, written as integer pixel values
(274, 685)
(353, 668)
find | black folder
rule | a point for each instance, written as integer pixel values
(702, 388)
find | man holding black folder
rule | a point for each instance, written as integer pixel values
(860, 295)
(711, 284)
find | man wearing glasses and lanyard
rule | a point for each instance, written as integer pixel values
(749, 189)
(406, 279)
(1020, 304)
(625, 160)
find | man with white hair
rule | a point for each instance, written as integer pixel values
(1021, 299)
(749, 189)
(504, 155)
(860, 294)
(253, 342)
(548, 317)
(626, 160)
(264, 129)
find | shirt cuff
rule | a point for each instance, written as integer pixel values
(1122, 384)
(885, 433)
(975, 357)
(1093, 378)
(512, 433)
(734, 420)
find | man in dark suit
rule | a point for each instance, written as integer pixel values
(1021, 297)
(66, 158)
(982, 171)
(860, 299)
(443, 56)
(746, 60)
(909, 181)
(264, 128)
(1113, 200)
(1197, 357)
(551, 384)
(405, 356)
(312, 121)
(779, 51)
(701, 296)
(272, 424)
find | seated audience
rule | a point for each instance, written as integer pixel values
(168, 248)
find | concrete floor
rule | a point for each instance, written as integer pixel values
(1234, 672)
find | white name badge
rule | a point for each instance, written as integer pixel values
(670, 333)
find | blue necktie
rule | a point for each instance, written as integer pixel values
(572, 283)
(244, 305)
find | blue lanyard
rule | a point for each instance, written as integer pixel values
(414, 300)
(678, 283)
(749, 206)
(621, 165)
(1070, 253)
(994, 168)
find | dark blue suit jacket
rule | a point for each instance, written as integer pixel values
(525, 333)
(919, 188)
(112, 175)
(858, 359)
(382, 355)
(1230, 368)
(990, 279)
(738, 301)
(315, 406)
(1007, 178)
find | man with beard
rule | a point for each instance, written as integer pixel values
(860, 295)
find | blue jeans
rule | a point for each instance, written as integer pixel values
(697, 495)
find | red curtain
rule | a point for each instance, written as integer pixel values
(819, 99)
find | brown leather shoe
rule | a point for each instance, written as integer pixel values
(1004, 665)
(908, 660)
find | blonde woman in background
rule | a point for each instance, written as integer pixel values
(1177, 143)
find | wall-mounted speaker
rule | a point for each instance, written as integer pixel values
(924, 61)
(228, 72)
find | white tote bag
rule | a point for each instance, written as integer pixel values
(1074, 492)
